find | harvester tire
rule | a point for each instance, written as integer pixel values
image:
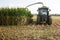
(49, 21)
(38, 20)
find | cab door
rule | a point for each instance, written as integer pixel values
(43, 15)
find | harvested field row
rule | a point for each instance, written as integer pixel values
(31, 32)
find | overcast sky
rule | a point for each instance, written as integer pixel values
(54, 5)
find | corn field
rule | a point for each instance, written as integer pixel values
(14, 16)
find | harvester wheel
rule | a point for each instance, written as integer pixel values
(38, 20)
(49, 21)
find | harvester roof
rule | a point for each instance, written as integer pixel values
(43, 7)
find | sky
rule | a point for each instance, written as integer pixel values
(54, 5)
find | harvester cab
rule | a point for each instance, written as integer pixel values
(43, 16)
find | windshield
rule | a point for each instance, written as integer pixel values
(44, 12)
